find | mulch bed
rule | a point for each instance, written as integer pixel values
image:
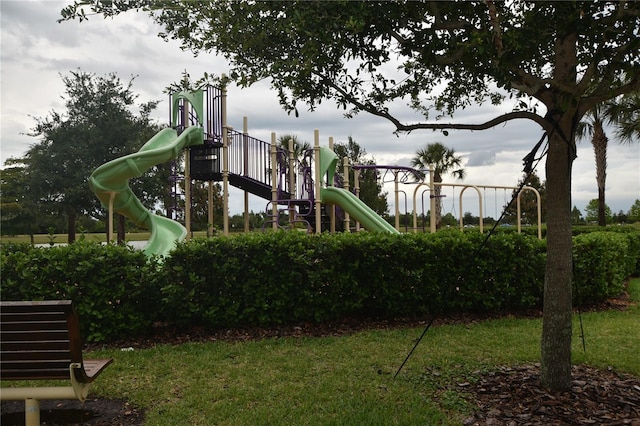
(507, 396)
(94, 412)
(513, 396)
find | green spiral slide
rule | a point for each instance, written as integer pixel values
(112, 180)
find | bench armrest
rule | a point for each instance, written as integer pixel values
(89, 369)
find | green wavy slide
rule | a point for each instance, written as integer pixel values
(112, 180)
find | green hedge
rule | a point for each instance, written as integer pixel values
(276, 278)
(290, 277)
(109, 284)
(602, 261)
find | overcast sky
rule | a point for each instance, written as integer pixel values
(36, 51)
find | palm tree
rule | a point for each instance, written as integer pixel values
(299, 148)
(627, 113)
(442, 160)
(622, 113)
(593, 126)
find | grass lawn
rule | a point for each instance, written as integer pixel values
(62, 238)
(350, 379)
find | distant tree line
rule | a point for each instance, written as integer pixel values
(593, 215)
(47, 188)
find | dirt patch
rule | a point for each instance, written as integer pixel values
(93, 412)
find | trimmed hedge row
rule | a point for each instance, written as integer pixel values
(602, 261)
(290, 277)
(277, 278)
(109, 285)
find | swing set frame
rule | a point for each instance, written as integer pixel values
(431, 186)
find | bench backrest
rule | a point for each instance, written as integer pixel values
(39, 339)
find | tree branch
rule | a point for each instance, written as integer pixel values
(458, 126)
(529, 83)
(610, 93)
(495, 24)
(401, 127)
(397, 37)
(618, 51)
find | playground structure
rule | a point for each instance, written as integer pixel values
(431, 185)
(300, 189)
(110, 184)
(304, 192)
(303, 189)
(409, 176)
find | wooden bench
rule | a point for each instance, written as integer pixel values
(41, 341)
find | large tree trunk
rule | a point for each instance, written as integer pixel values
(556, 320)
(555, 345)
(599, 142)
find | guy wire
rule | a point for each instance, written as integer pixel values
(530, 164)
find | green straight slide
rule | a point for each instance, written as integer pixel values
(112, 180)
(356, 209)
(350, 203)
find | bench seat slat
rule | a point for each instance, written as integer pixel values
(36, 305)
(6, 356)
(9, 326)
(51, 374)
(36, 364)
(31, 346)
(40, 340)
(36, 336)
(52, 371)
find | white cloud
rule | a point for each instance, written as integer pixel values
(36, 49)
(481, 158)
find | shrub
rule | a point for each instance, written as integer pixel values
(276, 278)
(272, 278)
(602, 261)
(106, 283)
